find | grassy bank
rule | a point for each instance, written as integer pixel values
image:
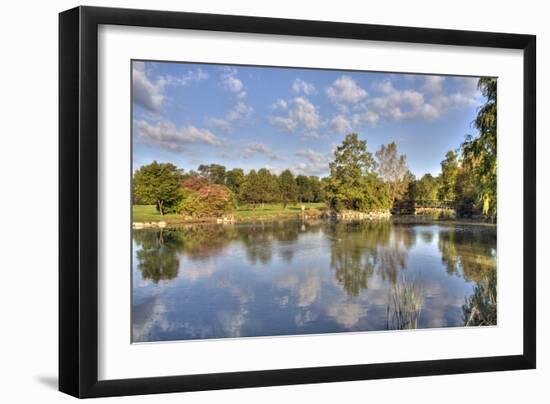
(148, 213)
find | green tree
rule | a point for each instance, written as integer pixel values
(267, 186)
(287, 188)
(481, 152)
(427, 188)
(211, 200)
(214, 173)
(305, 188)
(234, 179)
(158, 184)
(392, 169)
(353, 181)
(449, 171)
(250, 188)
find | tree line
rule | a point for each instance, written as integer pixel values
(358, 180)
(212, 190)
(468, 178)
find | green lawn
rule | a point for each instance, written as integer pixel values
(275, 210)
(148, 213)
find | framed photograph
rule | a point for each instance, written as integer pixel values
(251, 201)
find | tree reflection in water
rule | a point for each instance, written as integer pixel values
(472, 255)
(323, 288)
(156, 255)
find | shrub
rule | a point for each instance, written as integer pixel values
(210, 200)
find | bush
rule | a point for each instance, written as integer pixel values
(210, 200)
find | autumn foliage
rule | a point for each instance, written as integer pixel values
(201, 198)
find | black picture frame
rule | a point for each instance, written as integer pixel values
(78, 200)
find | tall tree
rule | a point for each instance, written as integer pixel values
(158, 184)
(353, 181)
(427, 188)
(481, 152)
(268, 186)
(392, 169)
(234, 179)
(213, 172)
(287, 188)
(305, 188)
(449, 171)
(249, 190)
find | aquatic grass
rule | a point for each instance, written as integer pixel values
(481, 308)
(404, 305)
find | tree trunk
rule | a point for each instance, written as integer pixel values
(159, 203)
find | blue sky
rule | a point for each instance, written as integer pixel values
(254, 117)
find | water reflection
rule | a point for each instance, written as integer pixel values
(284, 278)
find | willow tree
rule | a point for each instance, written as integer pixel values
(481, 152)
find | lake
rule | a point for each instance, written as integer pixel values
(294, 277)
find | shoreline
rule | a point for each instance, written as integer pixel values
(326, 217)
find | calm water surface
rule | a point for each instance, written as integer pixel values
(285, 278)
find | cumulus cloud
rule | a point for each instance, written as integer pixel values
(241, 110)
(146, 92)
(299, 86)
(311, 155)
(279, 104)
(340, 124)
(433, 84)
(188, 77)
(218, 123)
(286, 124)
(345, 90)
(314, 163)
(149, 93)
(167, 136)
(260, 148)
(232, 83)
(301, 114)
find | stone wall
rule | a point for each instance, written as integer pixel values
(355, 215)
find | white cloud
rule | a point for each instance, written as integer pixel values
(259, 148)
(301, 113)
(311, 134)
(166, 135)
(279, 104)
(284, 123)
(315, 163)
(433, 84)
(188, 77)
(367, 117)
(428, 104)
(344, 90)
(218, 123)
(147, 93)
(241, 110)
(300, 86)
(468, 86)
(232, 83)
(306, 113)
(340, 124)
(311, 155)
(384, 87)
